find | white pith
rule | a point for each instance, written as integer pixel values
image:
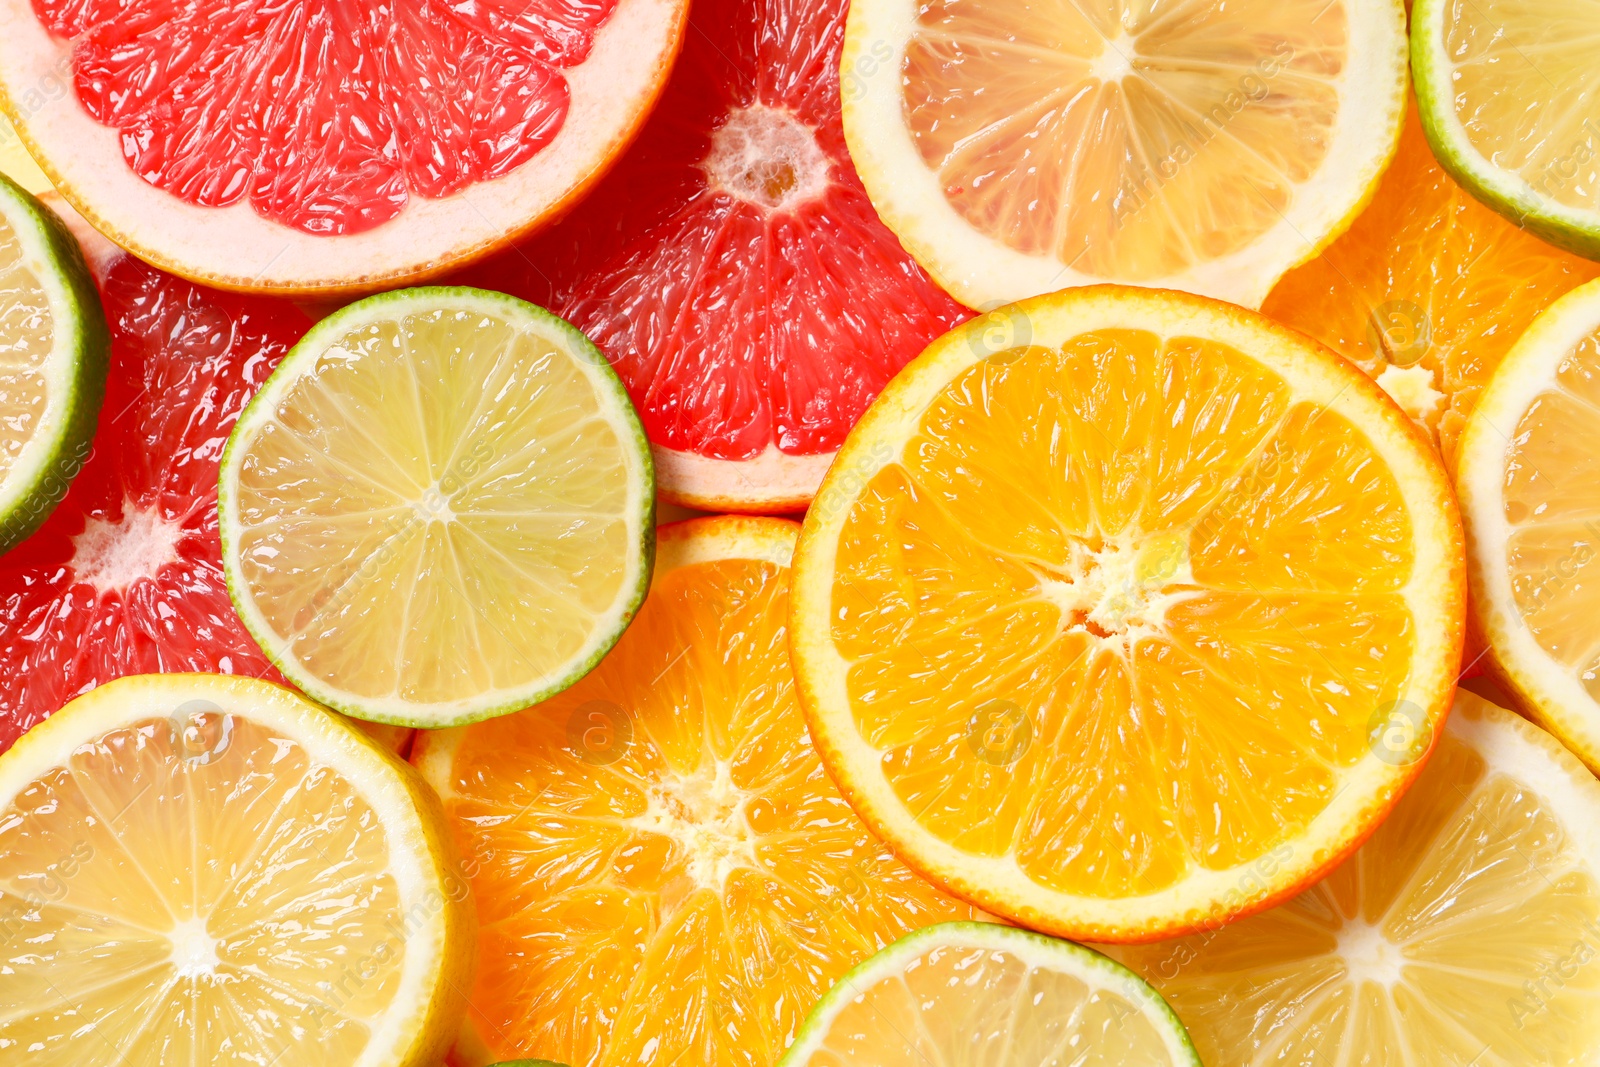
(233, 247)
(111, 556)
(767, 157)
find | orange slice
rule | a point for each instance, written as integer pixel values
(1427, 290)
(1128, 629)
(1465, 932)
(664, 874)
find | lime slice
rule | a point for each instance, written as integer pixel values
(1508, 91)
(439, 508)
(53, 353)
(970, 993)
(199, 869)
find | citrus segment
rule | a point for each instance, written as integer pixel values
(438, 508)
(1465, 931)
(126, 576)
(229, 140)
(1427, 291)
(662, 869)
(1018, 149)
(1526, 481)
(52, 362)
(203, 869)
(1223, 557)
(964, 993)
(1508, 98)
(733, 269)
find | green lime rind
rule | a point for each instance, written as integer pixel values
(76, 370)
(1089, 966)
(1503, 191)
(302, 357)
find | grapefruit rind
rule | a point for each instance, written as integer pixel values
(438, 958)
(612, 92)
(1089, 967)
(984, 273)
(1437, 590)
(625, 421)
(75, 371)
(773, 481)
(1508, 193)
(1551, 696)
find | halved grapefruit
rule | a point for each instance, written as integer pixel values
(328, 147)
(733, 269)
(125, 577)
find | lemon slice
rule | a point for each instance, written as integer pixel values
(1465, 932)
(1133, 628)
(197, 870)
(54, 348)
(1529, 485)
(976, 993)
(1019, 148)
(1509, 97)
(439, 508)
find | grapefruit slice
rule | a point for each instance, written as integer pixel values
(126, 575)
(663, 872)
(328, 147)
(1018, 148)
(198, 870)
(1111, 633)
(1465, 933)
(733, 269)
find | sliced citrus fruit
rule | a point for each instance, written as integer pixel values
(1466, 931)
(1018, 149)
(16, 164)
(125, 577)
(53, 353)
(1508, 92)
(1427, 290)
(337, 147)
(1099, 631)
(1531, 503)
(663, 872)
(438, 508)
(200, 870)
(968, 993)
(733, 269)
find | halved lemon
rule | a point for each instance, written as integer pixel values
(1134, 627)
(198, 869)
(978, 993)
(438, 508)
(1508, 92)
(1018, 148)
(1529, 483)
(1465, 932)
(663, 872)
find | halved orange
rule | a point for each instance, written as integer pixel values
(1134, 626)
(664, 873)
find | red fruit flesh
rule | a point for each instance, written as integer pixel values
(325, 114)
(731, 266)
(126, 576)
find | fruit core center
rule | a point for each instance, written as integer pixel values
(194, 950)
(704, 815)
(1416, 389)
(110, 556)
(1369, 956)
(1121, 585)
(1115, 60)
(767, 157)
(433, 506)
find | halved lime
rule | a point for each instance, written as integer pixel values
(972, 993)
(439, 508)
(1510, 101)
(53, 358)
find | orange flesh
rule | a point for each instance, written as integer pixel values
(1427, 278)
(1128, 139)
(1163, 651)
(663, 871)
